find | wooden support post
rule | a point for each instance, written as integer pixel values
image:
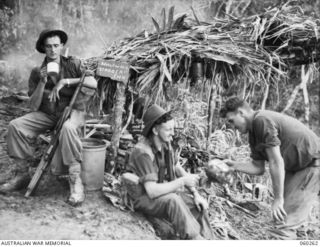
(292, 98)
(265, 97)
(211, 108)
(117, 124)
(305, 76)
(243, 94)
(130, 113)
(266, 91)
(118, 71)
(304, 79)
(319, 90)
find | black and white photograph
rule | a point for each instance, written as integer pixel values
(159, 120)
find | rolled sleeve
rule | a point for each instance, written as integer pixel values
(266, 133)
(145, 168)
(86, 90)
(74, 67)
(256, 156)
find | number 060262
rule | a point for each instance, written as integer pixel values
(309, 243)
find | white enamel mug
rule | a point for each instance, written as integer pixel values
(53, 69)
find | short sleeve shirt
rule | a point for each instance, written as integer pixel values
(147, 162)
(299, 146)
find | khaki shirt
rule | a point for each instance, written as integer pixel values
(299, 146)
(147, 163)
(70, 67)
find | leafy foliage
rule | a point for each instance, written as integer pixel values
(8, 30)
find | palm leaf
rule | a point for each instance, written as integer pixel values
(195, 16)
(163, 67)
(178, 22)
(170, 18)
(163, 14)
(155, 23)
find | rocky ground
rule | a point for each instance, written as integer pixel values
(46, 215)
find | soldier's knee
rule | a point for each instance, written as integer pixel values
(68, 126)
(172, 199)
(13, 124)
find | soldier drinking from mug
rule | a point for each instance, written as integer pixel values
(49, 95)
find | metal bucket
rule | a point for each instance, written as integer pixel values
(93, 162)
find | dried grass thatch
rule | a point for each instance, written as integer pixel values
(233, 53)
(290, 34)
(199, 63)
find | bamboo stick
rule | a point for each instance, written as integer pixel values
(232, 204)
(242, 209)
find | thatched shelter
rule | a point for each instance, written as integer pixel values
(210, 60)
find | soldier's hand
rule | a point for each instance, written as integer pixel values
(54, 95)
(43, 75)
(200, 202)
(278, 211)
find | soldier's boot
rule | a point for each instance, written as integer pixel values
(11, 170)
(18, 178)
(4, 177)
(77, 194)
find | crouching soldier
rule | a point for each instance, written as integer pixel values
(49, 95)
(292, 151)
(160, 189)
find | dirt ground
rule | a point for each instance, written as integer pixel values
(46, 215)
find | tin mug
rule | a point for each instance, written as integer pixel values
(53, 69)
